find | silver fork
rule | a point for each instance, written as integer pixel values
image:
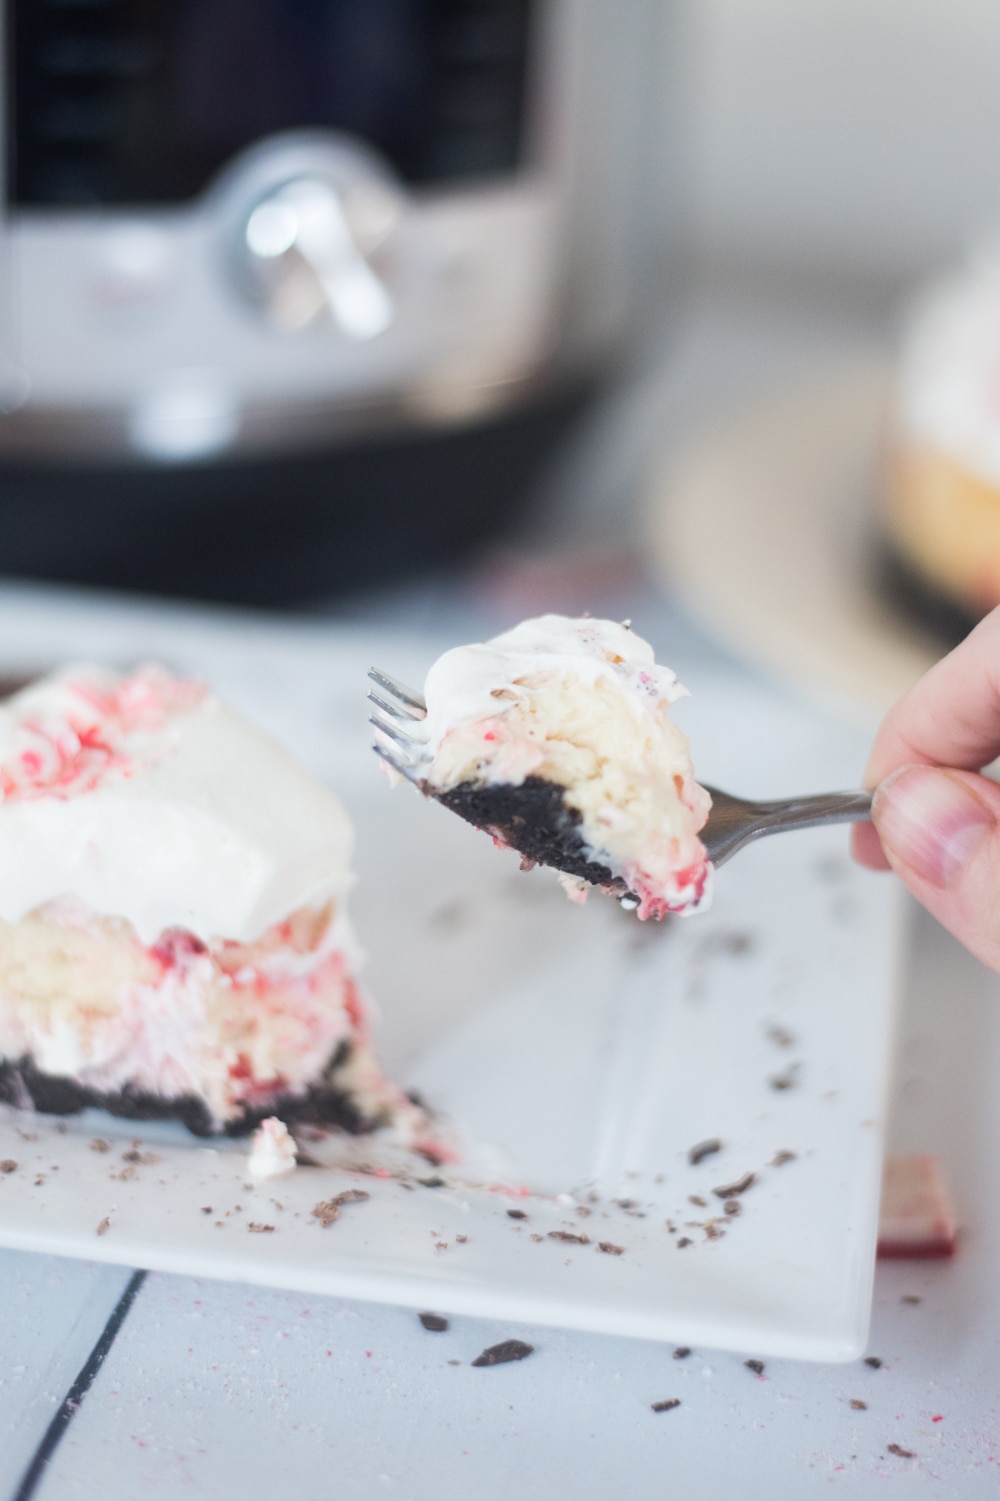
(732, 823)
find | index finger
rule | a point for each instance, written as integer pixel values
(951, 717)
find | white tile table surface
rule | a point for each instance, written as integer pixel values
(212, 1390)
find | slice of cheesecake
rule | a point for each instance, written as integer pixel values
(174, 938)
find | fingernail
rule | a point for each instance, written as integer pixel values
(930, 821)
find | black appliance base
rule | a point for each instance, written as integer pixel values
(917, 598)
(282, 532)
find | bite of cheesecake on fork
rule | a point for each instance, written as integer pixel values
(556, 739)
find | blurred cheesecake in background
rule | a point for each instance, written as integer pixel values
(942, 481)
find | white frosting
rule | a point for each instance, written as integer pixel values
(146, 798)
(948, 383)
(272, 1150)
(465, 682)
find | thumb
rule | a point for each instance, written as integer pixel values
(940, 831)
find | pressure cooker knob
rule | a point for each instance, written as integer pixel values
(314, 249)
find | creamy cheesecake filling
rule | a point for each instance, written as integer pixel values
(235, 1025)
(582, 705)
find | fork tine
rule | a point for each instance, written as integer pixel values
(398, 735)
(403, 769)
(396, 710)
(408, 696)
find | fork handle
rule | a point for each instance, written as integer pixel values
(734, 822)
(820, 808)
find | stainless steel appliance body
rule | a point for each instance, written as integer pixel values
(237, 231)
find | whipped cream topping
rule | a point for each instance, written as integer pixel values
(144, 797)
(948, 378)
(272, 1150)
(469, 682)
(69, 733)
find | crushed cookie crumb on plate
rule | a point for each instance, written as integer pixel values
(503, 1353)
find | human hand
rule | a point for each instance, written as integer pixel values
(935, 821)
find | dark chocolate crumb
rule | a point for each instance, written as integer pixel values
(431, 1182)
(682, 1352)
(625, 1203)
(567, 1235)
(327, 1211)
(583, 1211)
(206, 1209)
(712, 1231)
(780, 1158)
(730, 1190)
(685, 1240)
(910, 1298)
(704, 1149)
(757, 1366)
(99, 1145)
(508, 1349)
(450, 917)
(516, 1214)
(874, 1362)
(697, 1199)
(256, 1228)
(786, 1080)
(832, 868)
(666, 1406)
(460, 1240)
(8, 1165)
(537, 1237)
(731, 943)
(902, 1453)
(434, 1322)
(103, 1226)
(858, 1405)
(610, 1249)
(781, 1036)
(440, 1245)
(733, 1207)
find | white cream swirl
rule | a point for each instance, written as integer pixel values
(144, 797)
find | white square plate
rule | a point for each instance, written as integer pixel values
(576, 1054)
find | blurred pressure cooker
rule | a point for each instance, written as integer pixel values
(295, 293)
